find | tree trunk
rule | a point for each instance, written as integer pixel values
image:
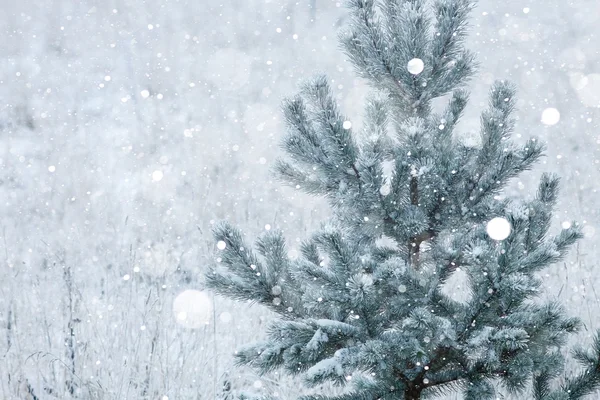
(412, 393)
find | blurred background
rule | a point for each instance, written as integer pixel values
(128, 127)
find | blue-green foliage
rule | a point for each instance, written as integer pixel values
(376, 318)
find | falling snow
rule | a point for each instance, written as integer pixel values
(128, 132)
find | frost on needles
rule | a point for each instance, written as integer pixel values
(376, 319)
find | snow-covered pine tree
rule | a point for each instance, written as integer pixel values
(380, 318)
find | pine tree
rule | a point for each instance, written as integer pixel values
(377, 318)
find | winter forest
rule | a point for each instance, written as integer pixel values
(130, 130)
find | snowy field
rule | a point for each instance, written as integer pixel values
(128, 127)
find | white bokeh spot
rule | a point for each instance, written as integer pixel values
(550, 116)
(192, 309)
(588, 231)
(225, 317)
(498, 228)
(415, 66)
(588, 88)
(157, 175)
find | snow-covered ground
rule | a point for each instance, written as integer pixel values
(127, 127)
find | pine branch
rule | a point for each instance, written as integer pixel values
(365, 304)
